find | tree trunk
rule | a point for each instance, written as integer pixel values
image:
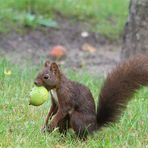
(135, 38)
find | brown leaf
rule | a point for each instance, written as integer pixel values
(59, 146)
(88, 47)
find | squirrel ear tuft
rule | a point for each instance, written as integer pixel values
(54, 67)
(47, 64)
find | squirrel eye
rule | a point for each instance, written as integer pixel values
(46, 76)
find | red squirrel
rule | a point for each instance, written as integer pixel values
(73, 105)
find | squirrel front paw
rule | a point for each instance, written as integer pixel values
(43, 129)
(49, 128)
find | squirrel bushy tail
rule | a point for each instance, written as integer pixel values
(119, 87)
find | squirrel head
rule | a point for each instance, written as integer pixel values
(49, 77)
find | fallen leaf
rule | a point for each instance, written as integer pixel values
(88, 47)
(60, 146)
(7, 72)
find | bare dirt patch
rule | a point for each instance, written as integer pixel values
(35, 44)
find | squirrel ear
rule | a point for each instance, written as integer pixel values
(47, 64)
(54, 67)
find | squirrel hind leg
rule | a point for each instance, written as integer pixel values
(64, 125)
(83, 124)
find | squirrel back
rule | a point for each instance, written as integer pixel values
(119, 87)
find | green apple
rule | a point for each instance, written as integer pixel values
(38, 95)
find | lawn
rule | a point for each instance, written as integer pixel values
(20, 123)
(106, 16)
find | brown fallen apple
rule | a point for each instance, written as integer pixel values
(57, 52)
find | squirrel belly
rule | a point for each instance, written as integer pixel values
(119, 87)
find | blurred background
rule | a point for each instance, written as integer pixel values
(90, 34)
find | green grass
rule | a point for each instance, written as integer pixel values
(106, 16)
(20, 123)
